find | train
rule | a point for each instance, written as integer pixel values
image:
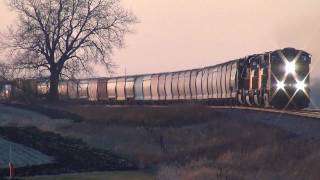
(275, 79)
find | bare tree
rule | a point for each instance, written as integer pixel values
(7, 72)
(11, 71)
(61, 36)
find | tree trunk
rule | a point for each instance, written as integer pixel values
(53, 95)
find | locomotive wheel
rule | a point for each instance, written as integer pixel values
(256, 100)
(240, 99)
(248, 101)
(266, 100)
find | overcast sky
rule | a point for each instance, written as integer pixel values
(182, 34)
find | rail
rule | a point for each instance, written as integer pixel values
(309, 113)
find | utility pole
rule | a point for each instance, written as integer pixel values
(11, 166)
(125, 82)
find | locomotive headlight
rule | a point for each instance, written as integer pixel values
(280, 85)
(290, 67)
(301, 85)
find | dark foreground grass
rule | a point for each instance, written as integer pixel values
(111, 175)
(44, 109)
(71, 155)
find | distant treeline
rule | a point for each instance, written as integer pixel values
(315, 92)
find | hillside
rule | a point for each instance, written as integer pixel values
(193, 142)
(21, 155)
(63, 154)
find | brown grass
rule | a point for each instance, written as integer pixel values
(135, 115)
(195, 142)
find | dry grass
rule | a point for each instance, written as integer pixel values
(136, 115)
(194, 142)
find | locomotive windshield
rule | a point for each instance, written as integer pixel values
(302, 67)
(278, 67)
(290, 67)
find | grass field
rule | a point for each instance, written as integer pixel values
(117, 175)
(188, 142)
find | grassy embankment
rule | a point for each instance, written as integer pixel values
(195, 142)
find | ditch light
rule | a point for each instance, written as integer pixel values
(300, 85)
(280, 85)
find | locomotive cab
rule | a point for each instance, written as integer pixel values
(256, 79)
(243, 81)
(290, 78)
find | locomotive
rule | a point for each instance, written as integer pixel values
(275, 79)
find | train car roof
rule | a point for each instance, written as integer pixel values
(163, 73)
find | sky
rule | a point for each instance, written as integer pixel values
(183, 34)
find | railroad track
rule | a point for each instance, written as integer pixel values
(310, 113)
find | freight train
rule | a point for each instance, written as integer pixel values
(275, 79)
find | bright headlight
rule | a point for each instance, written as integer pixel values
(290, 67)
(280, 85)
(300, 85)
